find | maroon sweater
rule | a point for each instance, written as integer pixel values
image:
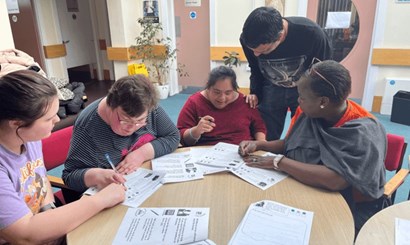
(234, 123)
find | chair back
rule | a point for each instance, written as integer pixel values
(55, 147)
(396, 148)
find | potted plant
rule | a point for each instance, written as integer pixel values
(231, 59)
(157, 53)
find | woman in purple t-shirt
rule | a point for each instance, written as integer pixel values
(29, 105)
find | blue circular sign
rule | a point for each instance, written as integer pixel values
(392, 82)
(192, 14)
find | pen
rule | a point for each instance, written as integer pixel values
(111, 164)
(209, 120)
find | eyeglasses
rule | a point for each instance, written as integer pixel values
(316, 61)
(138, 123)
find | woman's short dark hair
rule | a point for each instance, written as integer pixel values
(221, 73)
(262, 26)
(134, 94)
(25, 95)
(335, 74)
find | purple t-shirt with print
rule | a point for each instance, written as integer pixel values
(23, 181)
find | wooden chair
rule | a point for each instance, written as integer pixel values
(55, 150)
(396, 148)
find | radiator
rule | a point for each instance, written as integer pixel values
(392, 86)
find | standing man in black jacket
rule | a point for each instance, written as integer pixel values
(279, 50)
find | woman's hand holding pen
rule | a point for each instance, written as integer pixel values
(101, 178)
(206, 124)
(246, 147)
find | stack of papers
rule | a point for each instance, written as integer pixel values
(268, 222)
(140, 185)
(164, 226)
(194, 164)
(225, 157)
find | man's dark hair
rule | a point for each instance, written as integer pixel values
(262, 26)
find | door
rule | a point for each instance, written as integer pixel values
(25, 33)
(193, 41)
(357, 59)
(77, 32)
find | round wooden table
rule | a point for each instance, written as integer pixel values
(228, 198)
(380, 228)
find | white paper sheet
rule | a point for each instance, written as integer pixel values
(402, 232)
(225, 157)
(261, 178)
(267, 222)
(163, 226)
(338, 20)
(178, 167)
(140, 184)
(222, 155)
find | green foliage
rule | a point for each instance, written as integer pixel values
(158, 63)
(231, 59)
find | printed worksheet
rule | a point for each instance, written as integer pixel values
(402, 235)
(222, 156)
(164, 226)
(178, 167)
(225, 157)
(262, 178)
(140, 185)
(267, 222)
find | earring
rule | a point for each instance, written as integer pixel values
(322, 106)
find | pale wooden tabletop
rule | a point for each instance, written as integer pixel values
(380, 228)
(228, 198)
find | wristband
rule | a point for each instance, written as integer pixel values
(276, 161)
(190, 134)
(51, 205)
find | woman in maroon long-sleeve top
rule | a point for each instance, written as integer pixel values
(219, 113)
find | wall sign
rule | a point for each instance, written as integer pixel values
(150, 11)
(192, 3)
(13, 6)
(192, 15)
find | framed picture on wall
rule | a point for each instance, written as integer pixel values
(277, 4)
(150, 11)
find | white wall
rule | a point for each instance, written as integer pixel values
(49, 32)
(7, 41)
(396, 36)
(123, 16)
(391, 31)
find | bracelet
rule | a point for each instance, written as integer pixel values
(49, 206)
(190, 134)
(276, 160)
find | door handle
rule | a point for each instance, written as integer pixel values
(66, 41)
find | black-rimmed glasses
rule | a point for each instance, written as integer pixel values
(310, 69)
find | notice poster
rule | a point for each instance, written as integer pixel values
(150, 11)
